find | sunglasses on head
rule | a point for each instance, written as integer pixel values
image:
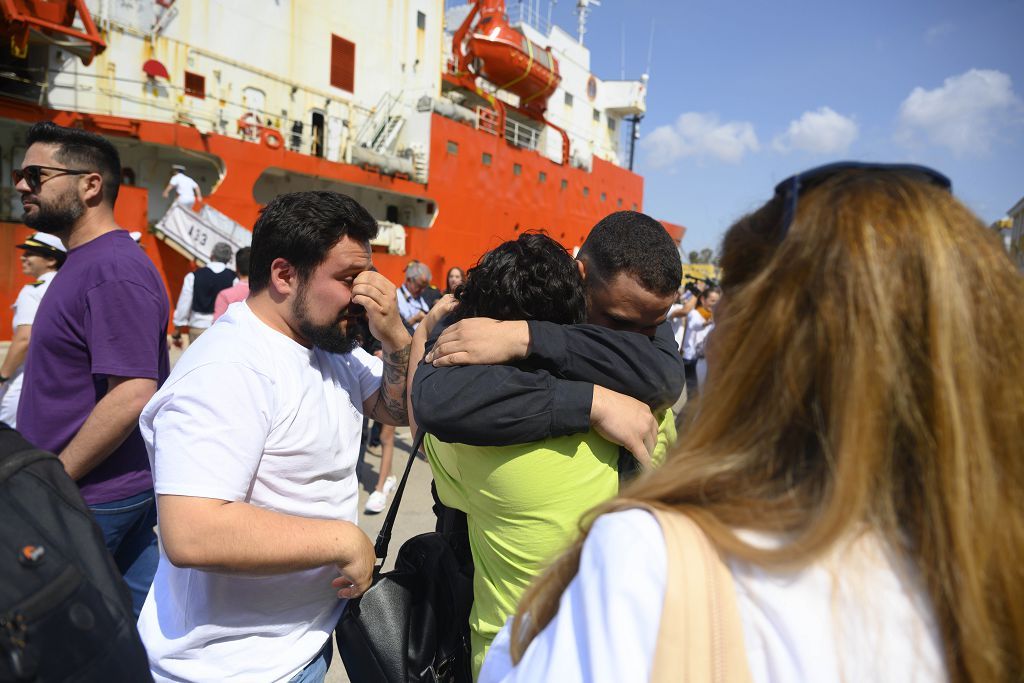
(33, 176)
(790, 188)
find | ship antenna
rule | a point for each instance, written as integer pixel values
(582, 9)
(650, 49)
(622, 62)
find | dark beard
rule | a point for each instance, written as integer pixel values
(328, 337)
(57, 217)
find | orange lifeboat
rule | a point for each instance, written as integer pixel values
(508, 59)
(52, 21)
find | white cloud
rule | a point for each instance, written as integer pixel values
(938, 31)
(700, 136)
(820, 132)
(965, 114)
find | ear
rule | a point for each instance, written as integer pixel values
(582, 267)
(283, 277)
(90, 188)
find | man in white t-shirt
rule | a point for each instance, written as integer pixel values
(42, 254)
(186, 189)
(254, 440)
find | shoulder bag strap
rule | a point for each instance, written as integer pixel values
(700, 639)
(384, 537)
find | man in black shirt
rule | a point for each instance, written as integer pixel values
(607, 375)
(199, 293)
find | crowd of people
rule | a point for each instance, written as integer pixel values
(809, 471)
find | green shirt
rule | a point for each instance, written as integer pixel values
(524, 504)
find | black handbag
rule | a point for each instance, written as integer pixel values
(413, 623)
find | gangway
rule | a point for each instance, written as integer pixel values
(195, 233)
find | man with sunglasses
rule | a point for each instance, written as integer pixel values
(98, 350)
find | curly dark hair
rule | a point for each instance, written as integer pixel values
(529, 278)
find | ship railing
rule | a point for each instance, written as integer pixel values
(487, 120)
(151, 99)
(521, 135)
(529, 12)
(380, 130)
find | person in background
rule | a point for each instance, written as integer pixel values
(454, 278)
(699, 324)
(199, 292)
(41, 256)
(240, 290)
(857, 466)
(187, 191)
(99, 342)
(685, 302)
(411, 304)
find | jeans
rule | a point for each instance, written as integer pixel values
(128, 532)
(316, 671)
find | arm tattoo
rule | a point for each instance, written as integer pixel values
(391, 407)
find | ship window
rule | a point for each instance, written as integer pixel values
(486, 159)
(597, 116)
(604, 196)
(634, 206)
(421, 21)
(517, 169)
(453, 147)
(611, 123)
(343, 63)
(565, 183)
(195, 85)
(542, 177)
(568, 99)
(586, 191)
(619, 202)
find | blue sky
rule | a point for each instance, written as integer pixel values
(744, 93)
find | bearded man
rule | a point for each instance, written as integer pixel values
(98, 349)
(254, 440)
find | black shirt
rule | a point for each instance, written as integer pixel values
(550, 393)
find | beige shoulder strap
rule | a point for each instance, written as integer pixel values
(701, 637)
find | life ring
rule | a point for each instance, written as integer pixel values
(243, 122)
(272, 139)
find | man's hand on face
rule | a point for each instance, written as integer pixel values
(625, 421)
(481, 341)
(376, 294)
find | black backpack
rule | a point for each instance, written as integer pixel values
(65, 612)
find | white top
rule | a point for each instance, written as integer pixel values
(184, 316)
(187, 189)
(250, 415)
(848, 617)
(25, 307)
(27, 303)
(697, 330)
(409, 305)
(678, 324)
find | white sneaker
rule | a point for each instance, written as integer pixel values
(377, 501)
(389, 485)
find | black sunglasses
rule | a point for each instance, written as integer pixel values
(790, 188)
(33, 175)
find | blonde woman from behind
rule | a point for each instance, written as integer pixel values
(858, 464)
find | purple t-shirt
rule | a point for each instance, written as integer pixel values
(105, 314)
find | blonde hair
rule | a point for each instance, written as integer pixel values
(875, 376)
